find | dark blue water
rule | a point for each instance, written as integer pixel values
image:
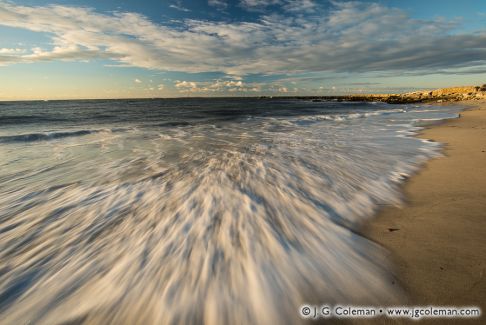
(210, 211)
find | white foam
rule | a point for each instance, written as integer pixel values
(236, 224)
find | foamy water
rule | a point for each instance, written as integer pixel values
(197, 211)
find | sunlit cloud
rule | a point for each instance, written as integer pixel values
(219, 87)
(11, 51)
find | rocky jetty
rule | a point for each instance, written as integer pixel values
(453, 94)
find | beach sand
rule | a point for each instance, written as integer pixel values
(437, 241)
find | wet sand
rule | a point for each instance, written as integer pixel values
(437, 240)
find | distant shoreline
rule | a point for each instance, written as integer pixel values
(441, 95)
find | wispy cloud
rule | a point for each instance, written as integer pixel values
(349, 37)
(218, 4)
(178, 6)
(258, 4)
(300, 5)
(137, 81)
(288, 5)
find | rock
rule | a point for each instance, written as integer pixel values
(439, 95)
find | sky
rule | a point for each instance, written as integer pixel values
(69, 49)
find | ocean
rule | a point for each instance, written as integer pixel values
(203, 211)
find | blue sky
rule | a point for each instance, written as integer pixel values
(117, 49)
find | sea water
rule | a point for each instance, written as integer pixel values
(214, 211)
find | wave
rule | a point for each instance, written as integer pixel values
(31, 137)
(27, 119)
(346, 117)
(47, 136)
(246, 239)
(430, 121)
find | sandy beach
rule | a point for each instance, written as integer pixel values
(437, 239)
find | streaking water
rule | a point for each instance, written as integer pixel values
(197, 211)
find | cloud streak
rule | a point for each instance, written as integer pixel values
(348, 37)
(178, 6)
(218, 4)
(286, 5)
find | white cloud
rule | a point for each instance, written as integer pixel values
(218, 4)
(250, 4)
(224, 86)
(138, 81)
(350, 37)
(300, 5)
(178, 6)
(233, 83)
(184, 85)
(161, 87)
(11, 51)
(287, 5)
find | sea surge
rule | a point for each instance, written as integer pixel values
(199, 211)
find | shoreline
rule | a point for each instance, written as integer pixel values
(437, 240)
(443, 95)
